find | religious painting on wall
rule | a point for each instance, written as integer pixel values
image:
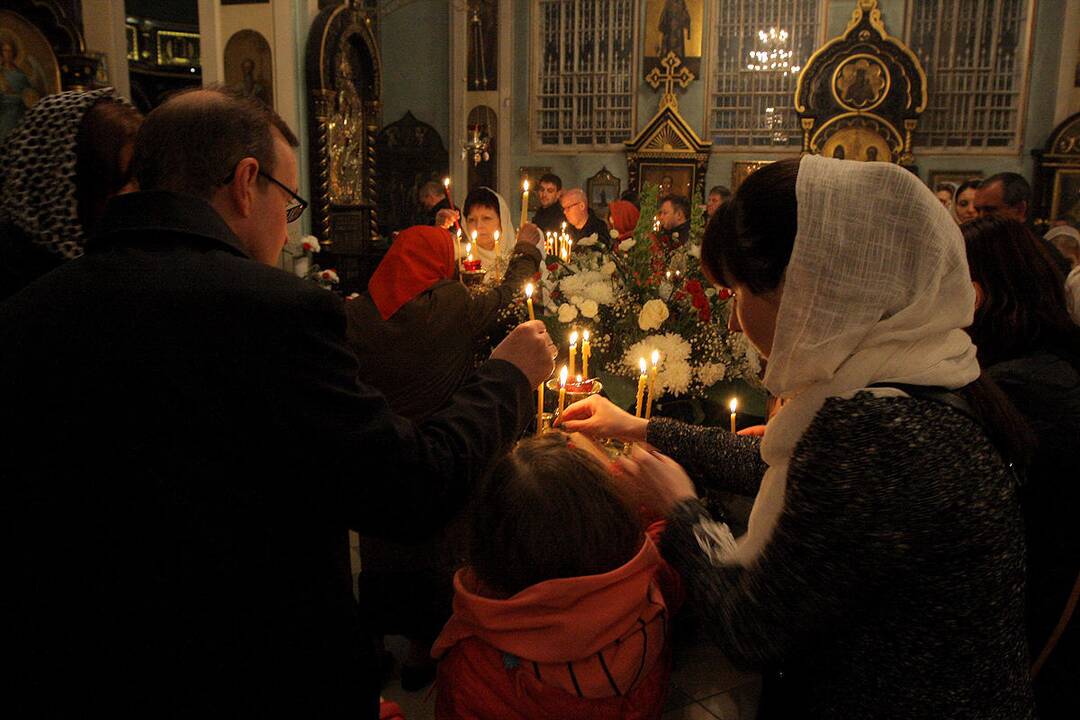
(249, 66)
(602, 188)
(677, 179)
(956, 178)
(28, 69)
(742, 170)
(1066, 200)
(673, 26)
(533, 173)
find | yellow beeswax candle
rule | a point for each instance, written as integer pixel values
(524, 202)
(652, 383)
(641, 387)
(540, 408)
(562, 388)
(573, 350)
(585, 352)
(528, 301)
(734, 404)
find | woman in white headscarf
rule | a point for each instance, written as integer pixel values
(484, 212)
(882, 572)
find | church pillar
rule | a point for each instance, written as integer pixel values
(105, 32)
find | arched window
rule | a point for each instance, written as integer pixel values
(975, 54)
(584, 73)
(757, 49)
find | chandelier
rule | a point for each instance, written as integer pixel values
(772, 54)
(774, 120)
(477, 145)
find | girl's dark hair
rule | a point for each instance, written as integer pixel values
(549, 510)
(967, 185)
(103, 157)
(482, 197)
(749, 240)
(1024, 307)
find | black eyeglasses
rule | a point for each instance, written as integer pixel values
(567, 207)
(297, 205)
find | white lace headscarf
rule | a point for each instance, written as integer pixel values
(506, 238)
(877, 290)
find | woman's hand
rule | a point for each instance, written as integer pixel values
(753, 431)
(445, 218)
(598, 417)
(657, 480)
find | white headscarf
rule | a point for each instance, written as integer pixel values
(506, 239)
(877, 290)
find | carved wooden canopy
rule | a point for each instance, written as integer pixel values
(1057, 173)
(860, 95)
(667, 140)
(344, 80)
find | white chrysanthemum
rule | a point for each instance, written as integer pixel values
(653, 315)
(567, 313)
(588, 285)
(753, 359)
(626, 244)
(587, 241)
(675, 373)
(711, 373)
(608, 268)
(576, 300)
(589, 308)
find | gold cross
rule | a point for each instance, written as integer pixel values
(670, 78)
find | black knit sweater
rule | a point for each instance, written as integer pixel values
(893, 583)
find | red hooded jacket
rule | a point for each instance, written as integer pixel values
(587, 647)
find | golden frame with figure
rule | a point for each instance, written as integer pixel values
(28, 69)
(1066, 198)
(673, 26)
(670, 178)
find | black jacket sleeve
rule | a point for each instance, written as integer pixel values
(713, 457)
(483, 308)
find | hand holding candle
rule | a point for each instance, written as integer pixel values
(573, 350)
(734, 404)
(641, 387)
(450, 200)
(528, 301)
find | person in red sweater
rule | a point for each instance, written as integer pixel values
(564, 607)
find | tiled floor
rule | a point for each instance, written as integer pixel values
(704, 686)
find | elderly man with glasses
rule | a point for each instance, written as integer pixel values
(191, 419)
(580, 220)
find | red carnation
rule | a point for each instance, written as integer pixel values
(693, 287)
(552, 267)
(699, 302)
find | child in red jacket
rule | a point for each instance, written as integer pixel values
(563, 610)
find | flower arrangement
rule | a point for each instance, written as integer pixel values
(643, 294)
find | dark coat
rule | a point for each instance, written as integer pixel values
(421, 355)
(592, 225)
(192, 448)
(550, 218)
(21, 260)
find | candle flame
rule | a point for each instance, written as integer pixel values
(525, 185)
(734, 404)
(562, 376)
(579, 379)
(468, 248)
(474, 236)
(564, 227)
(585, 335)
(497, 236)
(573, 338)
(641, 362)
(446, 182)
(528, 290)
(655, 357)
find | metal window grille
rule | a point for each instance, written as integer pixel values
(974, 53)
(739, 96)
(584, 82)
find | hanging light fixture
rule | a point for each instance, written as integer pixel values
(772, 54)
(477, 145)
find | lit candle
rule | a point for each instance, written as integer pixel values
(640, 387)
(652, 383)
(528, 301)
(468, 249)
(562, 388)
(450, 200)
(573, 350)
(540, 408)
(734, 404)
(496, 268)
(585, 352)
(525, 201)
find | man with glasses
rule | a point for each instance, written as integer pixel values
(192, 446)
(580, 220)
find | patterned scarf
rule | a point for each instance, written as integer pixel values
(37, 171)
